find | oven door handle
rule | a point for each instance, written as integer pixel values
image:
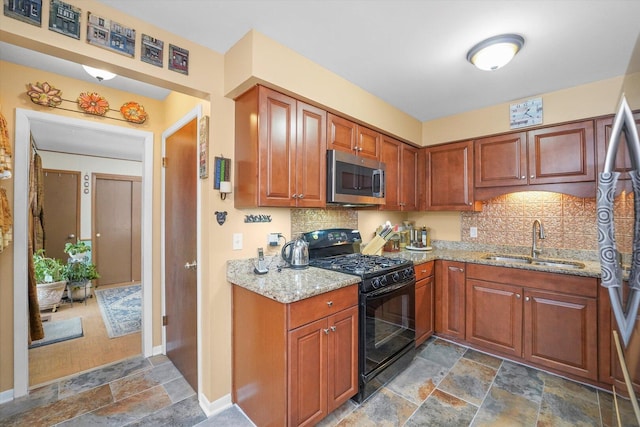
(388, 289)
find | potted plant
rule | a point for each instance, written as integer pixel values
(79, 274)
(78, 250)
(50, 280)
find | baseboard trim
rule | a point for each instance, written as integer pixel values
(212, 408)
(6, 396)
(157, 350)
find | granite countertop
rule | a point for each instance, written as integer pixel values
(287, 285)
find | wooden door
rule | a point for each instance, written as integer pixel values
(277, 156)
(564, 153)
(116, 215)
(342, 357)
(390, 150)
(368, 143)
(341, 134)
(450, 176)
(180, 249)
(61, 210)
(501, 161)
(307, 392)
(311, 154)
(560, 332)
(409, 199)
(494, 316)
(450, 298)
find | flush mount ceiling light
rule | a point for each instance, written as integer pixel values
(98, 74)
(495, 52)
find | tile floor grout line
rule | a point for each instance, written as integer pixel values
(488, 389)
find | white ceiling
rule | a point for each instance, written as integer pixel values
(410, 53)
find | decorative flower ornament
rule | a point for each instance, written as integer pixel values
(133, 112)
(44, 94)
(93, 103)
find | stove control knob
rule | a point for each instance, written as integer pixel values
(375, 282)
(396, 277)
(407, 273)
(383, 280)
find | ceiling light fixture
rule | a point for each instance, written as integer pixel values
(98, 74)
(495, 52)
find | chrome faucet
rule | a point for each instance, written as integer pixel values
(534, 247)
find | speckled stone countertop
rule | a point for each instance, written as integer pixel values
(288, 285)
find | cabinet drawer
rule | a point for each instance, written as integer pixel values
(314, 308)
(424, 270)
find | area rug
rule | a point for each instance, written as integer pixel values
(121, 309)
(61, 330)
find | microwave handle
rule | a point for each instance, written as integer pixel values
(378, 192)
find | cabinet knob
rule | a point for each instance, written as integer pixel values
(326, 331)
(527, 298)
(518, 296)
(71, 236)
(330, 303)
(300, 196)
(294, 196)
(333, 329)
(97, 234)
(532, 176)
(461, 270)
(523, 177)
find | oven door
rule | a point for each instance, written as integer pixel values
(387, 319)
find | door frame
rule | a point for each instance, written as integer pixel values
(23, 122)
(195, 113)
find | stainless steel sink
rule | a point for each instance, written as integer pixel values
(523, 259)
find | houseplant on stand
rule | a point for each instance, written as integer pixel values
(79, 271)
(50, 280)
(78, 250)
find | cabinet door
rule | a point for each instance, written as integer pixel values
(560, 332)
(390, 155)
(341, 133)
(342, 357)
(311, 147)
(424, 309)
(623, 160)
(450, 298)
(368, 143)
(564, 153)
(277, 142)
(450, 177)
(409, 178)
(307, 392)
(494, 316)
(501, 161)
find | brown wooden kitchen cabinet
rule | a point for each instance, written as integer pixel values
(449, 177)
(609, 363)
(294, 363)
(345, 135)
(450, 299)
(424, 301)
(280, 151)
(554, 158)
(401, 175)
(544, 318)
(623, 160)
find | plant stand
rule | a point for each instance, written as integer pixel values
(75, 288)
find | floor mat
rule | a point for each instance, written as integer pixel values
(61, 330)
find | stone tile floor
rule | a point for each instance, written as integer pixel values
(446, 385)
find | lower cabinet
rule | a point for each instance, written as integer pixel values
(450, 299)
(424, 301)
(294, 363)
(544, 318)
(323, 359)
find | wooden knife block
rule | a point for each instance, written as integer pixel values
(374, 247)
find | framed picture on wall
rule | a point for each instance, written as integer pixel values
(152, 50)
(178, 59)
(110, 35)
(204, 147)
(29, 11)
(64, 19)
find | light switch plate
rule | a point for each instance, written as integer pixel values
(237, 241)
(473, 232)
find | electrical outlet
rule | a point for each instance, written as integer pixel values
(473, 232)
(272, 239)
(237, 241)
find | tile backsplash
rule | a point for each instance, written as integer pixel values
(303, 220)
(569, 222)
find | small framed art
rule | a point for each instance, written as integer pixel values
(29, 11)
(64, 19)
(152, 50)
(111, 35)
(204, 147)
(178, 59)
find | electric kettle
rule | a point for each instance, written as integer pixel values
(298, 254)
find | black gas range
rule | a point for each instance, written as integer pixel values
(386, 304)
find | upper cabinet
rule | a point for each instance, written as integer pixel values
(345, 135)
(560, 158)
(401, 179)
(280, 149)
(448, 183)
(623, 160)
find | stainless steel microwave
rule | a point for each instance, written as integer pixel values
(354, 180)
